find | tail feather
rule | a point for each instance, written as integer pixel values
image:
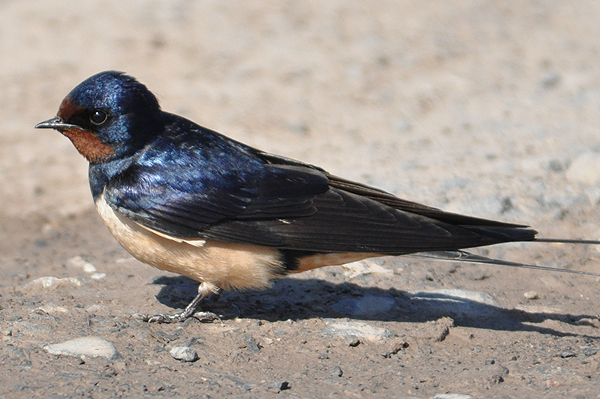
(463, 256)
(502, 234)
(567, 241)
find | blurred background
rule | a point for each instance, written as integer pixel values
(484, 107)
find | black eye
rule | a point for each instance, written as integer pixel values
(98, 117)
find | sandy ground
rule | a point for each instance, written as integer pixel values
(483, 107)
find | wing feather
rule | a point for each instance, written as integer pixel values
(240, 194)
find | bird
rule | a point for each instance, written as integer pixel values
(186, 199)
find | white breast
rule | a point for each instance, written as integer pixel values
(226, 265)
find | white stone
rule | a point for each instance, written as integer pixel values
(356, 329)
(531, 295)
(84, 347)
(184, 353)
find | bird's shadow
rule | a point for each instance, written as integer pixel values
(303, 299)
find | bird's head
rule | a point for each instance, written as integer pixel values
(108, 116)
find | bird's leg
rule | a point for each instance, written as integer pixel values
(204, 290)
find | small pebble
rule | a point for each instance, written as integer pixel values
(587, 351)
(531, 295)
(397, 346)
(184, 353)
(251, 344)
(337, 371)
(567, 353)
(499, 374)
(279, 386)
(352, 340)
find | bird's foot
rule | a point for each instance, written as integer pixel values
(177, 318)
(204, 290)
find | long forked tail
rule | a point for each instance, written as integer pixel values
(567, 241)
(463, 256)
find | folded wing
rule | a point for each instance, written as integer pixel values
(243, 195)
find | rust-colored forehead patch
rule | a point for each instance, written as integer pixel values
(89, 145)
(67, 109)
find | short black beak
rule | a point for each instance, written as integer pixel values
(54, 123)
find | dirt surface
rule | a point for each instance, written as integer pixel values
(482, 107)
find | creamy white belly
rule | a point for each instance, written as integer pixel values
(225, 265)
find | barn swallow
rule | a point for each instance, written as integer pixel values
(186, 199)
